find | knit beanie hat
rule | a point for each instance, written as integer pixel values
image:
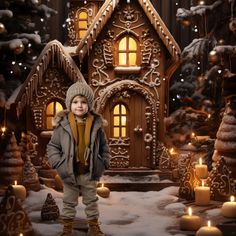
(79, 88)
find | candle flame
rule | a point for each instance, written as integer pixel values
(3, 129)
(15, 182)
(209, 116)
(200, 161)
(193, 134)
(190, 212)
(171, 150)
(21, 234)
(102, 185)
(209, 223)
(203, 183)
(232, 199)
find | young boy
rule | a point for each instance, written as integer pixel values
(78, 150)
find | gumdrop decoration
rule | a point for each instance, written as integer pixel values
(220, 181)
(50, 210)
(13, 219)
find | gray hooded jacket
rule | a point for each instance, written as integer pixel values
(61, 149)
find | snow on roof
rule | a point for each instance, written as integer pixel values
(54, 53)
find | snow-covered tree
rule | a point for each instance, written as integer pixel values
(207, 63)
(211, 52)
(22, 37)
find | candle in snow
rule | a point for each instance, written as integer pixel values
(209, 230)
(201, 170)
(190, 222)
(103, 191)
(19, 191)
(229, 208)
(202, 195)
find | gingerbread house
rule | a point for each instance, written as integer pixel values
(128, 56)
(43, 93)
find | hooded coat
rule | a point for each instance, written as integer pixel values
(62, 149)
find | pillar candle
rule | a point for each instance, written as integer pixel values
(209, 231)
(229, 208)
(19, 191)
(201, 170)
(190, 222)
(103, 191)
(202, 195)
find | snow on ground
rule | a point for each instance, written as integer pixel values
(123, 213)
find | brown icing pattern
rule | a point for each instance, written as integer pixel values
(13, 218)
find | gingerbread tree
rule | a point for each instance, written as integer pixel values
(220, 181)
(11, 164)
(23, 146)
(14, 220)
(30, 177)
(50, 210)
(225, 143)
(188, 183)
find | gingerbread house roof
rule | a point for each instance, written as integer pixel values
(105, 13)
(53, 54)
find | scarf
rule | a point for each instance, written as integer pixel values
(81, 132)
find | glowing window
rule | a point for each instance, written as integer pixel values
(82, 24)
(51, 110)
(127, 52)
(119, 121)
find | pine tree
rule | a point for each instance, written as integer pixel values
(22, 37)
(211, 63)
(209, 55)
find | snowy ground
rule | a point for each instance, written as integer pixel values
(130, 213)
(123, 213)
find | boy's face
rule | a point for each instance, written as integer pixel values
(79, 105)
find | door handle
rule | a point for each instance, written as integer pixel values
(138, 129)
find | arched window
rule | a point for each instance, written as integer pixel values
(51, 110)
(127, 51)
(82, 24)
(119, 121)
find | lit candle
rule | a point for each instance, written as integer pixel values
(201, 170)
(190, 222)
(173, 153)
(209, 230)
(229, 208)
(3, 129)
(202, 195)
(19, 191)
(103, 191)
(193, 136)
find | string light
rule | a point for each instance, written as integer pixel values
(201, 2)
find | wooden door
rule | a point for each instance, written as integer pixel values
(125, 113)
